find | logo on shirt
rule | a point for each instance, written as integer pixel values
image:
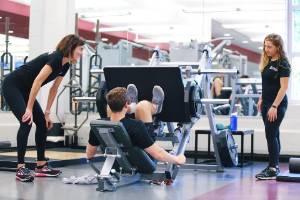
(273, 68)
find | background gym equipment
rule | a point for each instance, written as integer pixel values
(227, 148)
(95, 62)
(6, 63)
(223, 141)
(225, 161)
(294, 172)
(247, 91)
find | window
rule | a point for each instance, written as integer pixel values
(294, 38)
(295, 81)
(296, 2)
(296, 31)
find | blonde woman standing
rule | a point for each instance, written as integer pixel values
(275, 71)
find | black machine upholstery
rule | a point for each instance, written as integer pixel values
(114, 135)
(175, 109)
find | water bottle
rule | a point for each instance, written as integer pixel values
(233, 122)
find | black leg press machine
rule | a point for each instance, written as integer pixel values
(293, 175)
(125, 164)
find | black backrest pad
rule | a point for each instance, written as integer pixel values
(113, 134)
(144, 77)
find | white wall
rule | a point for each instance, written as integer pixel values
(48, 24)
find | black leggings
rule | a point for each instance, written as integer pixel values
(16, 97)
(272, 131)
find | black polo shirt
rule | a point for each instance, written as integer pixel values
(27, 73)
(271, 79)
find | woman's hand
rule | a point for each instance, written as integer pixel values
(27, 117)
(49, 123)
(272, 114)
(259, 104)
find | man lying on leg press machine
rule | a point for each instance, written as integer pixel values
(121, 101)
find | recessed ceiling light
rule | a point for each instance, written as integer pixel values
(104, 39)
(0, 17)
(245, 41)
(260, 48)
(227, 34)
(10, 31)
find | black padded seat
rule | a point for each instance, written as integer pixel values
(113, 135)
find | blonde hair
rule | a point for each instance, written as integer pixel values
(277, 42)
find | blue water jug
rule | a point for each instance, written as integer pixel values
(233, 122)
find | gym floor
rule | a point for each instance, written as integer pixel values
(234, 183)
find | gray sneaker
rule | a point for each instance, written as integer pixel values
(158, 97)
(270, 173)
(132, 93)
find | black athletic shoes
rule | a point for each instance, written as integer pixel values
(46, 171)
(270, 173)
(24, 174)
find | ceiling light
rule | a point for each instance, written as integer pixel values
(95, 15)
(227, 34)
(104, 39)
(253, 25)
(153, 40)
(260, 48)
(114, 29)
(10, 31)
(245, 41)
(259, 38)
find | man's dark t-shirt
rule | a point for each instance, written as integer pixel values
(271, 79)
(136, 130)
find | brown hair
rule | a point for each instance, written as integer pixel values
(277, 42)
(117, 98)
(68, 44)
